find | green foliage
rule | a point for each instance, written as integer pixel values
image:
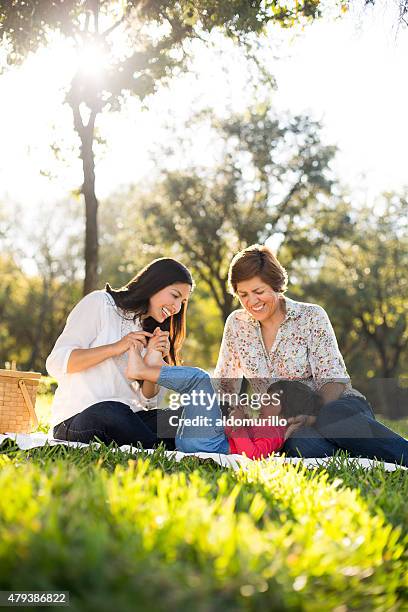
(30, 24)
(47, 386)
(204, 331)
(115, 531)
(142, 43)
(33, 310)
(274, 177)
(27, 24)
(362, 280)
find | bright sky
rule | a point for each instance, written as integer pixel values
(351, 75)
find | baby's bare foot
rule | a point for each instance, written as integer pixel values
(154, 358)
(135, 363)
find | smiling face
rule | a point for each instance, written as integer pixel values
(258, 298)
(168, 301)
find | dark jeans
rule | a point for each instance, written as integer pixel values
(349, 424)
(116, 422)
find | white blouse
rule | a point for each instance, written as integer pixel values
(305, 349)
(94, 321)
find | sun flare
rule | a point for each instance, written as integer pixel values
(92, 59)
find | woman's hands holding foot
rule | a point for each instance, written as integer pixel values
(158, 347)
(147, 368)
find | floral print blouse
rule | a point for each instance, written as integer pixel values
(305, 349)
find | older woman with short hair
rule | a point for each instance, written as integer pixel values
(274, 337)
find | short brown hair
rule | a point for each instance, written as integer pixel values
(257, 260)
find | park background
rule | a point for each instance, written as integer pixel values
(199, 134)
(192, 128)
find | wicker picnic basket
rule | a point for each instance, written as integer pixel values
(17, 401)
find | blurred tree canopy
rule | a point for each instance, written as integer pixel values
(356, 270)
(363, 281)
(33, 311)
(34, 305)
(140, 43)
(274, 177)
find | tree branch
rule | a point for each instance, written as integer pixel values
(96, 16)
(283, 205)
(109, 31)
(206, 275)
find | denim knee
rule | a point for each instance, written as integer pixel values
(183, 378)
(92, 418)
(200, 376)
(341, 409)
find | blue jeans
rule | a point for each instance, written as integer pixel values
(348, 424)
(206, 436)
(116, 422)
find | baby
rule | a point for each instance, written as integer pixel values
(201, 427)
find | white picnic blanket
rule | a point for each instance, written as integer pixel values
(27, 441)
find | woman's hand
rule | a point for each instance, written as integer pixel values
(82, 359)
(123, 345)
(158, 347)
(301, 420)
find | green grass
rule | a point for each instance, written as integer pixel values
(400, 426)
(43, 411)
(148, 533)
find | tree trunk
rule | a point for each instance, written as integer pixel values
(86, 135)
(227, 305)
(91, 215)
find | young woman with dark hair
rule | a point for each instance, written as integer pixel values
(94, 398)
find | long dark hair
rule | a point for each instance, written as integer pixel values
(133, 299)
(296, 398)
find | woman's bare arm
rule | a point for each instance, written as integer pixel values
(82, 359)
(331, 391)
(149, 389)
